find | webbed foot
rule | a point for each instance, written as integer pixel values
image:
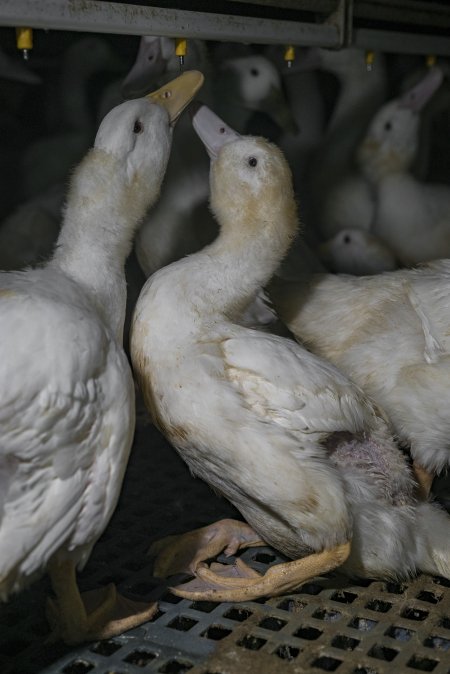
(98, 614)
(236, 582)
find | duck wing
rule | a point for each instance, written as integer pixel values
(66, 423)
(288, 385)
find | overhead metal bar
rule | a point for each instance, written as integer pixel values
(415, 12)
(337, 28)
(401, 43)
(121, 18)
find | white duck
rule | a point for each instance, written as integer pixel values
(390, 334)
(341, 196)
(411, 217)
(357, 252)
(67, 413)
(288, 439)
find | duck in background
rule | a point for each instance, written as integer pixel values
(67, 415)
(250, 84)
(290, 441)
(430, 163)
(410, 216)
(340, 194)
(357, 252)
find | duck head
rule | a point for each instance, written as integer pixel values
(251, 185)
(133, 142)
(257, 87)
(392, 138)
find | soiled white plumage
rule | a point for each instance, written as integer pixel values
(67, 422)
(67, 412)
(293, 443)
(390, 334)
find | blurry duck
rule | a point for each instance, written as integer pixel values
(411, 217)
(288, 439)
(356, 323)
(67, 414)
(354, 251)
(431, 162)
(251, 84)
(48, 160)
(341, 196)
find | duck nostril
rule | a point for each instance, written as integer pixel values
(222, 129)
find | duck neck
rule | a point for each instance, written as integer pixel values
(240, 264)
(96, 237)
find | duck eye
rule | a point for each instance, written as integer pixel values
(252, 161)
(138, 126)
(388, 126)
(254, 72)
(347, 239)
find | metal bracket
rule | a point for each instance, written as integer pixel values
(342, 19)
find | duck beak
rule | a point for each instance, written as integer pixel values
(212, 131)
(178, 93)
(416, 98)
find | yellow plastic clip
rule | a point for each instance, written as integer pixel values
(24, 40)
(370, 58)
(289, 55)
(181, 49)
(431, 60)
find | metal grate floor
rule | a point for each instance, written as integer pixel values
(330, 624)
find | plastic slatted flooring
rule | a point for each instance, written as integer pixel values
(329, 625)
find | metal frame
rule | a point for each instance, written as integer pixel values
(337, 29)
(114, 17)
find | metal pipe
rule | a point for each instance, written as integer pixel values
(401, 43)
(114, 17)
